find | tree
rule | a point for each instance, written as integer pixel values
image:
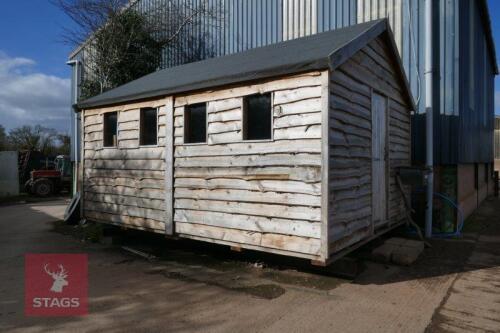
(64, 144)
(33, 138)
(122, 51)
(4, 139)
(122, 44)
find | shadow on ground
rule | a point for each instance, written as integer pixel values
(446, 256)
(121, 283)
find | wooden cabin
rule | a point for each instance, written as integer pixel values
(289, 148)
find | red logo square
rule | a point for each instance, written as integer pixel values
(55, 284)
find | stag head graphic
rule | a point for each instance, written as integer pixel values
(59, 278)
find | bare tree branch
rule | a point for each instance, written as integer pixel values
(112, 45)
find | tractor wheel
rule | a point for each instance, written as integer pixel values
(28, 187)
(43, 187)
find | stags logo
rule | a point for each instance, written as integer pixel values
(59, 279)
(56, 284)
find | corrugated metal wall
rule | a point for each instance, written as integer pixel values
(407, 22)
(202, 38)
(245, 24)
(252, 23)
(475, 132)
(463, 89)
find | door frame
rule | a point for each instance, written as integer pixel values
(387, 158)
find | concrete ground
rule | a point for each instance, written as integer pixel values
(453, 287)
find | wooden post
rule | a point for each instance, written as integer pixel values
(81, 171)
(325, 165)
(169, 166)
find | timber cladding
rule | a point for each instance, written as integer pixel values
(352, 86)
(307, 191)
(124, 185)
(264, 194)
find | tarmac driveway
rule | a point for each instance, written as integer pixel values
(211, 290)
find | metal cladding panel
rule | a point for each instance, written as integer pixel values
(463, 88)
(476, 116)
(463, 92)
(446, 97)
(336, 14)
(497, 138)
(9, 173)
(406, 18)
(252, 23)
(188, 46)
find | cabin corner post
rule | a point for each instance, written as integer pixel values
(325, 163)
(169, 166)
(82, 166)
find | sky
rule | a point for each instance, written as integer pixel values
(34, 77)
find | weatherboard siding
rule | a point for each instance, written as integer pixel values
(350, 140)
(266, 194)
(304, 193)
(124, 185)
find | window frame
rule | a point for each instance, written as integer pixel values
(140, 126)
(104, 115)
(243, 117)
(184, 111)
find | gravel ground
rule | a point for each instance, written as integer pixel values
(191, 286)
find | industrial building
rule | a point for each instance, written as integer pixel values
(459, 85)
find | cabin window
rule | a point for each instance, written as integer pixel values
(110, 129)
(257, 117)
(149, 127)
(195, 123)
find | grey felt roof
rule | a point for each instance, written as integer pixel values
(299, 55)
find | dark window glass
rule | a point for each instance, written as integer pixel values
(149, 127)
(486, 172)
(110, 129)
(195, 123)
(257, 117)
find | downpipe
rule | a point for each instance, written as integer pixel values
(74, 64)
(429, 121)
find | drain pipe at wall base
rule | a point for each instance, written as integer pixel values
(429, 123)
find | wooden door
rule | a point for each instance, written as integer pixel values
(379, 159)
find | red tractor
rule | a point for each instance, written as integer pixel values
(48, 182)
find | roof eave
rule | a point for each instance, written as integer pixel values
(322, 64)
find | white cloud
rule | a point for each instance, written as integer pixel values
(30, 98)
